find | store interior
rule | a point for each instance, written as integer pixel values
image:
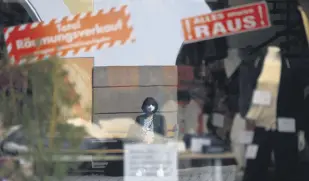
(247, 93)
(228, 71)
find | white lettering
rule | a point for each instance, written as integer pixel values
(50, 50)
(219, 29)
(19, 44)
(202, 31)
(88, 32)
(68, 27)
(204, 19)
(98, 29)
(115, 27)
(209, 18)
(234, 25)
(29, 43)
(68, 37)
(240, 13)
(25, 43)
(218, 16)
(249, 22)
(71, 36)
(49, 39)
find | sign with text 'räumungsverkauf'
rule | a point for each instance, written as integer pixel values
(226, 22)
(70, 35)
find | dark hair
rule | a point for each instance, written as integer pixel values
(148, 101)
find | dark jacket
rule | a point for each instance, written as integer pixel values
(158, 123)
(249, 71)
(294, 78)
(158, 120)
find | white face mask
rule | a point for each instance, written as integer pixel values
(150, 108)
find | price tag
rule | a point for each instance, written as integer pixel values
(286, 125)
(218, 120)
(246, 137)
(262, 98)
(181, 146)
(198, 143)
(205, 118)
(252, 151)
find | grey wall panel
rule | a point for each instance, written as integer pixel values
(129, 99)
(158, 75)
(115, 76)
(134, 76)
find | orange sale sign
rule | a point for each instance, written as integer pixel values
(226, 22)
(70, 35)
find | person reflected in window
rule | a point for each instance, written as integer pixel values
(151, 122)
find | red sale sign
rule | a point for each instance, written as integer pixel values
(226, 22)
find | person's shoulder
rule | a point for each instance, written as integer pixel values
(139, 117)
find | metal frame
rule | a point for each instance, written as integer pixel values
(32, 12)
